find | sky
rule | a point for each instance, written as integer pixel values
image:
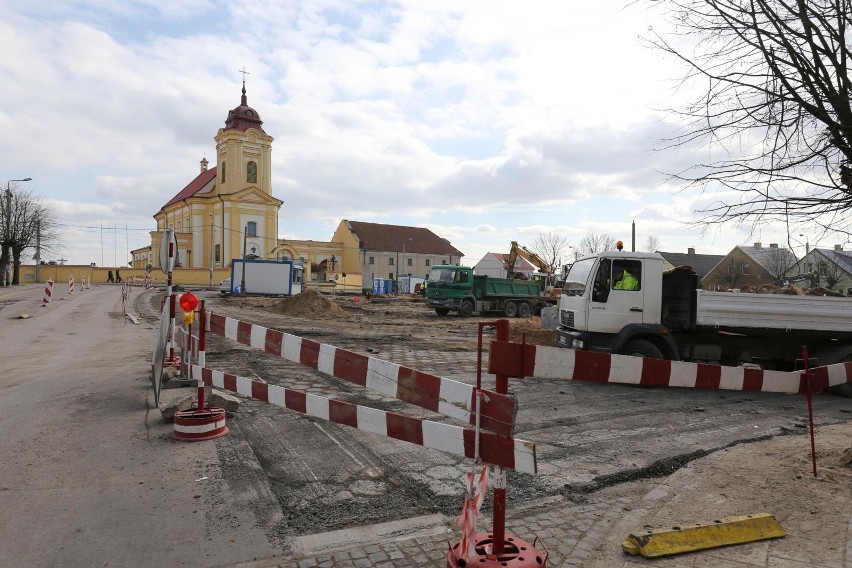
(486, 121)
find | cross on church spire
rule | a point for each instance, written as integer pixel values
(244, 98)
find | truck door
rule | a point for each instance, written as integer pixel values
(617, 297)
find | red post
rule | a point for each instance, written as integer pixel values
(809, 395)
(499, 513)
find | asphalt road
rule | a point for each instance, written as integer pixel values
(90, 476)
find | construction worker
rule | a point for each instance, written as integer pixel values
(623, 279)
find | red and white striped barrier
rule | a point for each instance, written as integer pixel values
(477, 488)
(48, 292)
(445, 396)
(525, 360)
(498, 450)
(198, 425)
(71, 284)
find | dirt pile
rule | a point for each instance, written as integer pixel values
(535, 335)
(309, 304)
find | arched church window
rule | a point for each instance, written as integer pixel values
(251, 172)
(222, 177)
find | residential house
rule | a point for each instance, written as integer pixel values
(827, 268)
(375, 250)
(749, 266)
(701, 264)
(496, 265)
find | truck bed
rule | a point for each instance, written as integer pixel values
(774, 311)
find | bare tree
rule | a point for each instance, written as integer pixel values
(596, 242)
(652, 244)
(550, 247)
(833, 275)
(776, 107)
(777, 261)
(30, 223)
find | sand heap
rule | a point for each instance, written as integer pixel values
(310, 304)
(535, 335)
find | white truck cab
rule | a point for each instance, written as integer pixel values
(608, 294)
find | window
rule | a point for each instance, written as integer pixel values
(251, 228)
(823, 268)
(410, 262)
(626, 275)
(444, 261)
(222, 177)
(390, 276)
(372, 260)
(744, 269)
(390, 261)
(251, 172)
(217, 254)
(428, 262)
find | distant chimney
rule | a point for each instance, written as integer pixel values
(204, 163)
(690, 250)
(757, 246)
(838, 247)
(773, 245)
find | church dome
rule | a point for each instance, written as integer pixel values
(243, 117)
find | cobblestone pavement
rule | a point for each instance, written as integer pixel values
(816, 513)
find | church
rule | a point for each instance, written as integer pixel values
(228, 211)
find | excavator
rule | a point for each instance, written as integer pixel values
(550, 286)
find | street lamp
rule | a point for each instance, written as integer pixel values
(807, 244)
(7, 276)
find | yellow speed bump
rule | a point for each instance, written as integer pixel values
(733, 530)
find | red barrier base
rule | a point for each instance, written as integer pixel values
(172, 362)
(516, 553)
(198, 425)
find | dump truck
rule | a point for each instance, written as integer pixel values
(456, 288)
(666, 315)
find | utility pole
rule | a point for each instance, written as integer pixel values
(243, 280)
(212, 246)
(38, 250)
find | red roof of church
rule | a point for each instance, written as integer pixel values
(194, 186)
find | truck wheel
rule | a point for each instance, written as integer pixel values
(523, 310)
(510, 310)
(642, 348)
(466, 309)
(442, 311)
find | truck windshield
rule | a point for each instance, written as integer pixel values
(578, 276)
(444, 275)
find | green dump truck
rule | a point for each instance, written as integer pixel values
(456, 288)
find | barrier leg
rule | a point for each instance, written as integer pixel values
(495, 549)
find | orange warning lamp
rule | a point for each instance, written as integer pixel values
(188, 302)
(619, 245)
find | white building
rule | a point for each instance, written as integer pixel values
(493, 264)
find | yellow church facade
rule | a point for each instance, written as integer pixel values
(228, 211)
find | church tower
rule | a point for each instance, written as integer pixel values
(228, 210)
(244, 151)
